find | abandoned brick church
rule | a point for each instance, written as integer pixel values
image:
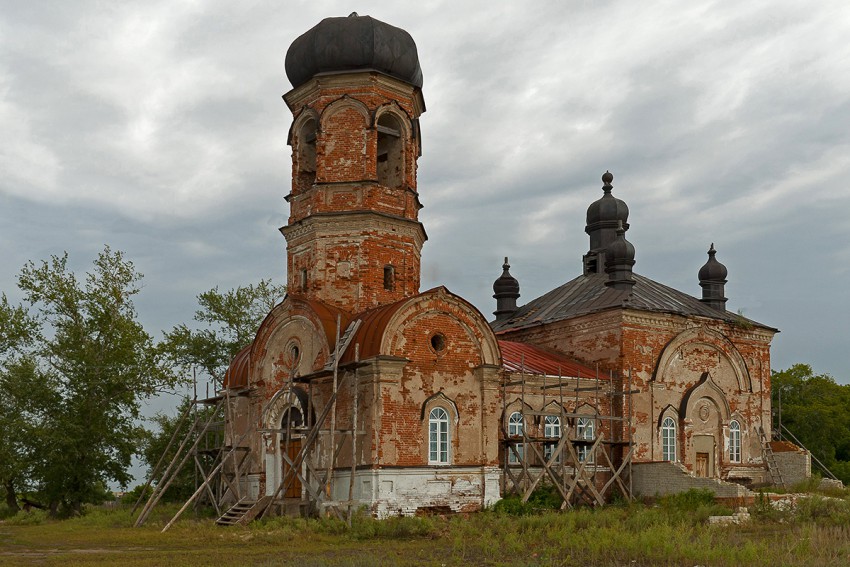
(362, 390)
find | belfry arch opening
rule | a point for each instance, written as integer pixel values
(390, 151)
(306, 156)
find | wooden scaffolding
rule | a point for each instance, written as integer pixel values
(311, 444)
(219, 464)
(553, 446)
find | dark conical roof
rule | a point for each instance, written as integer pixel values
(506, 284)
(608, 208)
(353, 43)
(712, 271)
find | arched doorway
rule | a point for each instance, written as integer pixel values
(291, 436)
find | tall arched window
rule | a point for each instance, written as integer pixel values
(584, 431)
(515, 430)
(551, 430)
(390, 151)
(438, 437)
(734, 442)
(306, 155)
(668, 439)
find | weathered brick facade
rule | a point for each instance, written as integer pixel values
(415, 414)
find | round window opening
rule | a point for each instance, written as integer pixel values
(438, 343)
(294, 353)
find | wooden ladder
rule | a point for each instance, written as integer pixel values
(770, 461)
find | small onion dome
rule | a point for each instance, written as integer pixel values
(608, 208)
(506, 292)
(712, 271)
(506, 284)
(350, 44)
(619, 259)
(621, 251)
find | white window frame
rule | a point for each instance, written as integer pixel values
(734, 441)
(515, 428)
(668, 439)
(585, 430)
(551, 430)
(439, 437)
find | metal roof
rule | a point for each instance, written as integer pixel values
(530, 359)
(588, 294)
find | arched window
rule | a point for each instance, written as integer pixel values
(551, 430)
(668, 439)
(389, 277)
(438, 437)
(734, 442)
(306, 155)
(584, 432)
(515, 430)
(390, 154)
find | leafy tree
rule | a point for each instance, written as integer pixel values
(815, 409)
(89, 369)
(231, 318)
(17, 376)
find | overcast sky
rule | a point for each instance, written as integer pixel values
(158, 128)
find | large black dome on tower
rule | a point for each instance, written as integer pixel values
(350, 44)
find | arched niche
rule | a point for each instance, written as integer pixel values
(709, 339)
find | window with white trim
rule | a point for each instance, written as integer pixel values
(551, 430)
(584, 432)
(734, 442)
(438, 437)
(515, 426)
(668, 439)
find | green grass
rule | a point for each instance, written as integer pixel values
(673, 531)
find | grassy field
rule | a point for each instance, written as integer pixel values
(674, 531)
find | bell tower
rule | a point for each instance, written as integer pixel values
(354, 237)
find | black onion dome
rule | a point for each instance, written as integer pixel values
(621, 250)
(353, 43)
(608, 208)
(712, 270)
(506, 283)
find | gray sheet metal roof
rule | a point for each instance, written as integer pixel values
(588, 294)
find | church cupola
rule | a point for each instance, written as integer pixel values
(620, 257)
(353, 238)
(712, 279)
(506, 292)
(603, 218)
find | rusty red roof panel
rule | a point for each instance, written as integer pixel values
(522, 357)
(237, 373)
(371, 332)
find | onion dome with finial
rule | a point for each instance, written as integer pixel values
(621, 250)
(506, 292)
(712, 270)
(506, 283)
(619, 259)
(352, 44)
(608, 208)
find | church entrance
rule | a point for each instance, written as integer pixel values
(704, 450)
(290, 446)
(702, 465)
(291, 450)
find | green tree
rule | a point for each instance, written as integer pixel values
(815, 409)
(20, 387)
(231, 320)
(98, 364)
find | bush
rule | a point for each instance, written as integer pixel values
(34, 517)
(545, 498)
